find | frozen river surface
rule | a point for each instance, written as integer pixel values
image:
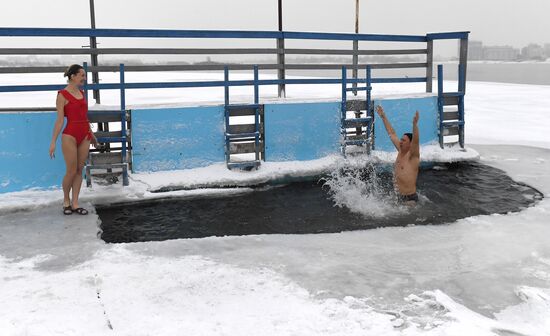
(483, 275)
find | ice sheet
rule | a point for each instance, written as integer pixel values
(484, 275)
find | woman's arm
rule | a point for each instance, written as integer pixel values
(93, 139)
(60, 107)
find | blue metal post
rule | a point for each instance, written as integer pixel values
(123, 124)
(195, 84)
(369, 88)
(461, 87)
(461, 84)
(344, 108)
(226, 111)
(440, 101)
(256, 86)
(369, 107)
(85, 66)
(256, 114)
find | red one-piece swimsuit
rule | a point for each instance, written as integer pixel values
(76, 111)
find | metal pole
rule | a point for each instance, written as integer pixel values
(358, 130)
(355, 59)
(429, 65)
(281, 53)
(93, 45)
(461, 86)
(226, 112)
(440, 102)
(370, 110)
(124, 139)
(256, 114)
(463, 61)
(85, 66)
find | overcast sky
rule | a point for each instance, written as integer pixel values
(493, 21)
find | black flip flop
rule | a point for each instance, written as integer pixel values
(67, 210)
(81, 211)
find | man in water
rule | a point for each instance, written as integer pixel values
(405, 169)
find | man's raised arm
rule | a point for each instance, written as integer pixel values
(415, 144)
(389, 128)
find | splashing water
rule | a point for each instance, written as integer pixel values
(367, 191)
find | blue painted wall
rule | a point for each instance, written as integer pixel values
(400, 112)
(24, 159)
(190, 137)
(177, 138)
(301, 131)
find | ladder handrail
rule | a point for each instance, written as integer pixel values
(441, 95)
(256, 106)
(369, 120)
(256, 114)
(123, 139)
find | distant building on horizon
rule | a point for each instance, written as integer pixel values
(533, 51)
(501, 53)
(475, 50)
(478, 52)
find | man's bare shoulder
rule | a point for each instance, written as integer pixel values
(415, 159)
(408, 157)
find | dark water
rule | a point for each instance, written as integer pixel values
(447, 193)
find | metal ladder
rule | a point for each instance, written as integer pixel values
(451, 123)
(109, 163)
(362, 135)
(235, 135)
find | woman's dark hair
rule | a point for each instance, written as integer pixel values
(72, 70)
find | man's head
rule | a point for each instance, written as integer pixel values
(405, 142)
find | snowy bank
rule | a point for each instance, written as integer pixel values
(483, 275)
(215, 180)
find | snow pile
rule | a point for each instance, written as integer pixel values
(527, 318)
(134, 294)
(272, 172)
(533, 314)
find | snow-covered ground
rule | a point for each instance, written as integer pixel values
(478, 276)
(484, 275)
(216, 179)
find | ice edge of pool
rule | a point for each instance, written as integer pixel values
(536, 196)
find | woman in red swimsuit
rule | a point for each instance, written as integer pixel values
(76, 137)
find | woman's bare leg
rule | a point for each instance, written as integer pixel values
(82, 156)
(69, 149)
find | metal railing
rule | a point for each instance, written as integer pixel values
(281, 66)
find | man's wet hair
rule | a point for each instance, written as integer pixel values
(410, 136)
